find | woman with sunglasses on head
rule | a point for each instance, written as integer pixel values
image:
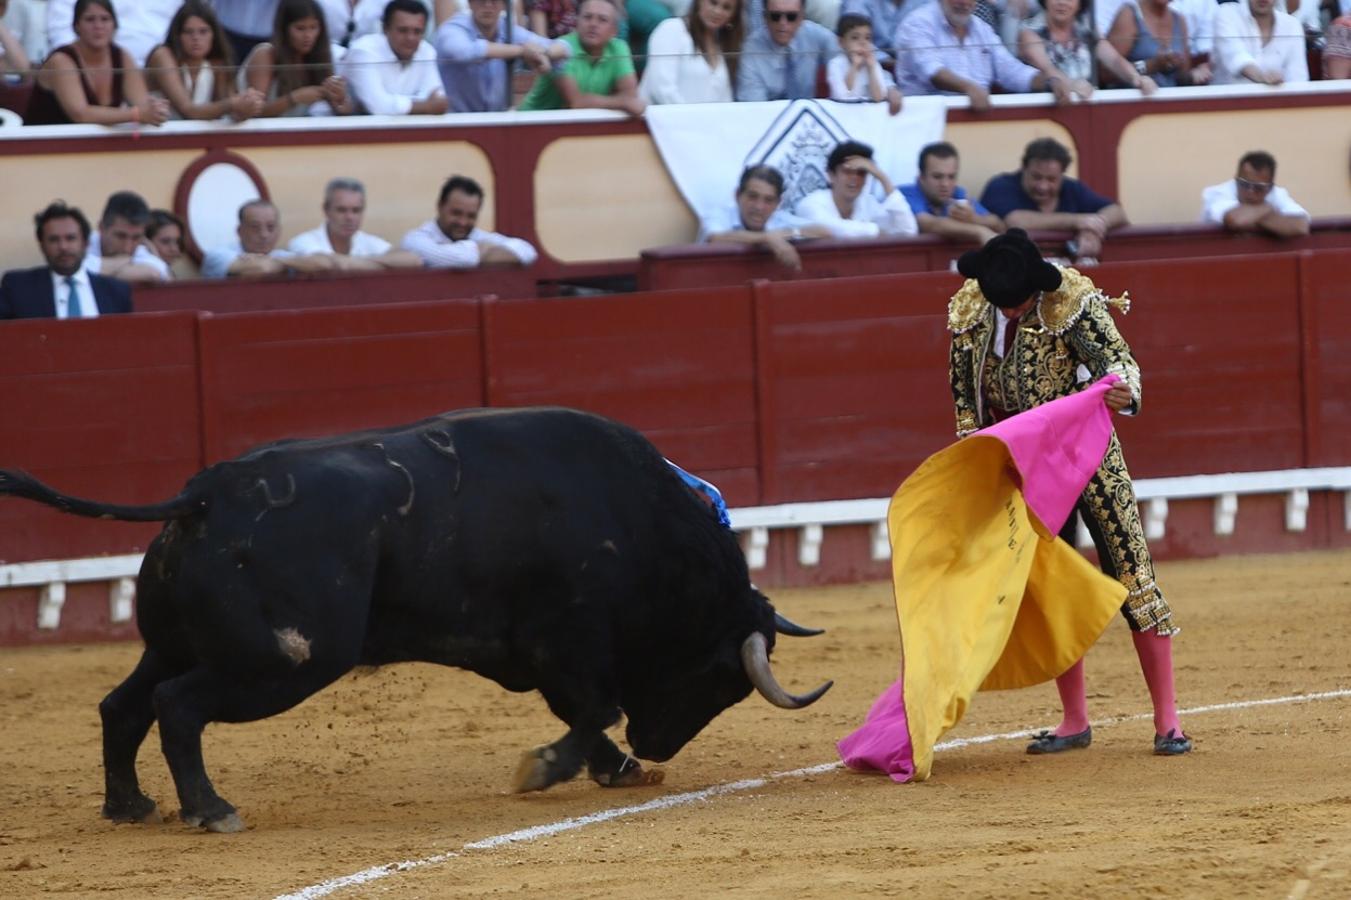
(693, 59)
(294, 72)
(93, 80)
(194, 71)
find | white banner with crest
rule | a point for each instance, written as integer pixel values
(705, 146)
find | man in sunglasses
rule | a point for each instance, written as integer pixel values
(780, 60)
(1252, 202)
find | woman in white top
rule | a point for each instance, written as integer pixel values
(12, 55)
(294, 72)
(193, 71)
(847, 208)
(693, 59)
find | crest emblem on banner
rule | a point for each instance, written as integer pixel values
(797, 144)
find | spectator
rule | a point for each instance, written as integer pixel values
(941, 206)
(944, 49)
(453, 239)
(856, 74)
(141, 26)
(693, 59)
(553, 18)
(1255, 42)
(256, 253)
(1059, 41)
(1200, 18)
(598, 73)
(93, 81)
(349, 20)
(1337, 53)
(1135, 35)
(1040, 196)
(193, 70)
(164, 236)
(394, 73)
(294, 72)
(846, 208)
(780, 60)
(13, 56)
(1252, 201)
(757, 220)
(341, 237)
(476, 56)
(886, 17)
(246, 23)
(118, 248)
(63, 288)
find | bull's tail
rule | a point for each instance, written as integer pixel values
(21, 484)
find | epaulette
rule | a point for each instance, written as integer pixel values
(966, 308)
(1061, 309)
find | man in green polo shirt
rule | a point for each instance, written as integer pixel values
(599, 73)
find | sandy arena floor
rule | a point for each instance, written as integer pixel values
(413, 762)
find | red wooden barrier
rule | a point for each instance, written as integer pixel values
(679, 365)
(853, 383)
(1326, 310)
(294, 374)
(337, 289)
(1218, 343)
(103, 408)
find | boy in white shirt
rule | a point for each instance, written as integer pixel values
(856, 74)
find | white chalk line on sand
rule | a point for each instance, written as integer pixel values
(670, 801)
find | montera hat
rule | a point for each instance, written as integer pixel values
(1009, 269)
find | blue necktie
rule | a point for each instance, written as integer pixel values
(73, 308)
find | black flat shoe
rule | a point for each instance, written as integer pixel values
(1050, 742)
(1175, 743)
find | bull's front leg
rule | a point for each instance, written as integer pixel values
(546, 766)
(609, 766)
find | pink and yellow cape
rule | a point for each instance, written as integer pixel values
(987, 596)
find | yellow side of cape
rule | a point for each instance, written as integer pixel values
(986, 598)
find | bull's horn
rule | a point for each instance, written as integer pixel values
(755, 660)
(785, 625)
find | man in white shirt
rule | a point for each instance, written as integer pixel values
(256, 253)
(1255, 42)
(117, 249)
(756, 218)
(141, 26)
(1252, 202)
(64, 288)
(394, 73)
(341, 237)
(453, 239)
(846, 208)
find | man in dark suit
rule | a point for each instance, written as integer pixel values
(61, 289)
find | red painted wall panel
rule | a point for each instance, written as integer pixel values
(678, 365)
(271, 375)
(854, 387)
(1328, 351)
(1218, 344)
(106, 409)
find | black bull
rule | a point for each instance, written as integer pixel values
(546, 549)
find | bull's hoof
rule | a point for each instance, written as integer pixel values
(535, 771)
(631, 774)
(231, 824)
(142, 811)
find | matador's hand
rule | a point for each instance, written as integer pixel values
(1118, 397)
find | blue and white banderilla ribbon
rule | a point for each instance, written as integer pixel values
(708, 490)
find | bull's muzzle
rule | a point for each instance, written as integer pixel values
(755, 660)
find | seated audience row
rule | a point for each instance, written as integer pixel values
(706, 55)
(1038, 196)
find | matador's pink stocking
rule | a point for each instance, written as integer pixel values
(1073, 700)
(1156, 660)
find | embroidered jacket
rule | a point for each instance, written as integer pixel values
(1066, 330)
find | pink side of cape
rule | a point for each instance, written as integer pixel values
(1056, 447)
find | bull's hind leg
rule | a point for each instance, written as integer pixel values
(185, 706)
(127, 713)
